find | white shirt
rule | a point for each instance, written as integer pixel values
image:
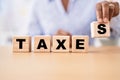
(50, 16)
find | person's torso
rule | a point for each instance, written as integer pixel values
(52, 16)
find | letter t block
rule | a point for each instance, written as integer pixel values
(21, 44)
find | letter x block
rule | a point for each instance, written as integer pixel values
(60, 43)
(42, 43)
(21, 44)
(80, 44)
(100, 30)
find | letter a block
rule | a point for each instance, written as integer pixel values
(80, 44)
(60, 43)
(100, 30)
(42, 43)
(21, 44)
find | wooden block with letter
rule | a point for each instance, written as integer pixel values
(42, 43)
(21, 44)
(100, 30)
(60, 43)
(80, 43)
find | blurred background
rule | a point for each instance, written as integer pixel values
(15, 18)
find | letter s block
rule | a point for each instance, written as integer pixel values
(21, 44)
(100, 30)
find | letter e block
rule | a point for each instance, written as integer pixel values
(80, 44)
(60, 43)
(21, 44)
(100, 30)
(42, 44)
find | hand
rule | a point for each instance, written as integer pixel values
(106, 10)
(64, 33)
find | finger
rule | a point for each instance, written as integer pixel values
(99, 12)
(116, 9)
(62, 32)
(58, 32)
(105, 10)
(111, 11)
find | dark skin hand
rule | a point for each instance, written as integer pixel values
(105, 11)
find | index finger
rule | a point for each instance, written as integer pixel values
(105, 9)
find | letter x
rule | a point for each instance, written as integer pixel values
(61, 44)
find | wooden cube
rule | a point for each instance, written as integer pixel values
(42, 43)
(21, 44)
(100, 30)
(80, 44)
(60, 43)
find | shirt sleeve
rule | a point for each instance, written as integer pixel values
(115, 26)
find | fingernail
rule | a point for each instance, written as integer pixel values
(106, 20)
(100, 20)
